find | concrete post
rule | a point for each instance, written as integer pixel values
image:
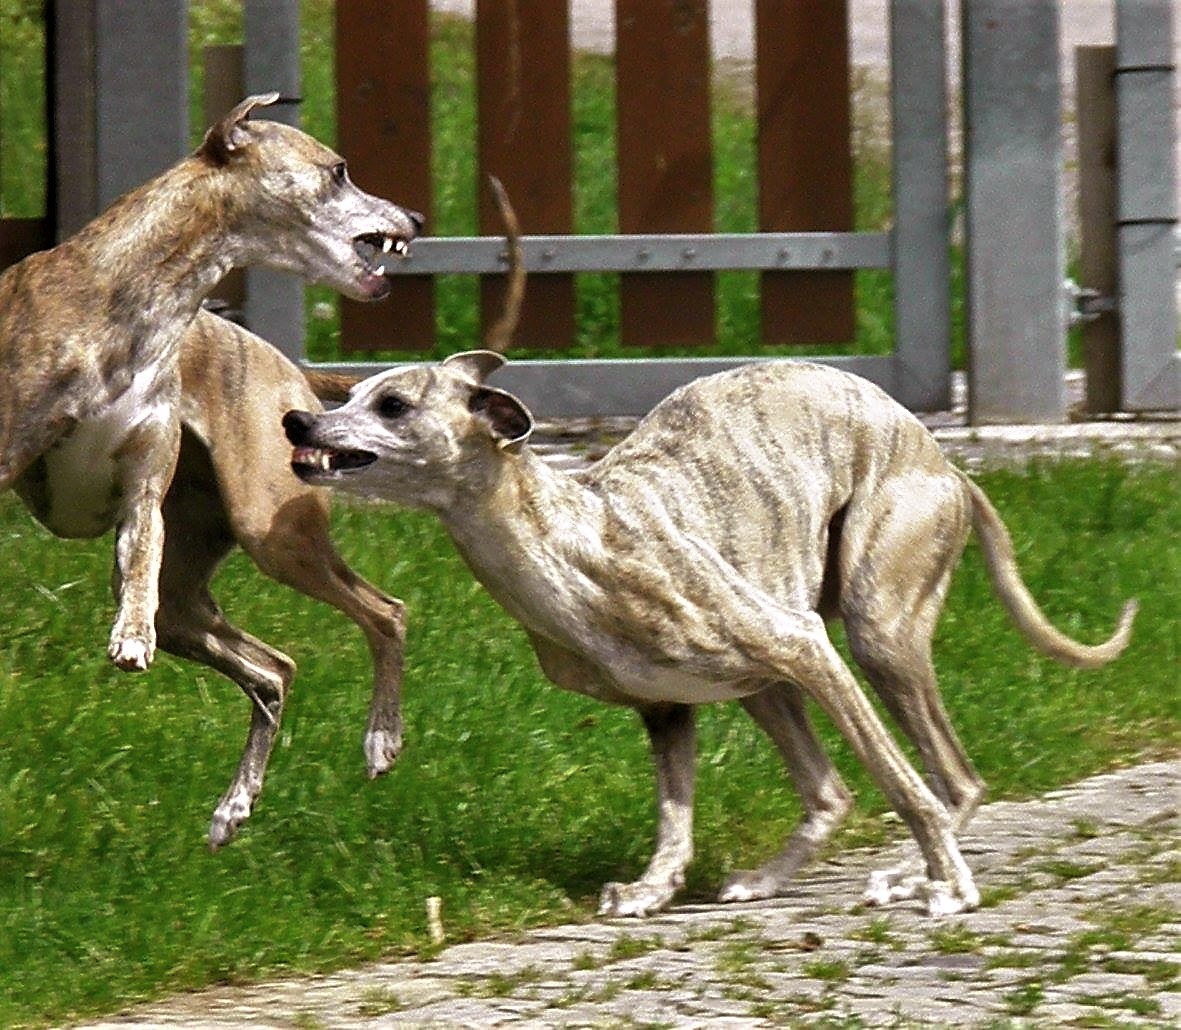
(1015, 317)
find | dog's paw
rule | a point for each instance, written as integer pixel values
(748, 885)
(943, 900)
(131, 654)
(382, 748)
(633, 900)
(227, 817)
(889, 885)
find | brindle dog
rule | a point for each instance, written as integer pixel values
(698, 562)
(90, 331)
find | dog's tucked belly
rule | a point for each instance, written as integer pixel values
(75, 488)
(633, 678)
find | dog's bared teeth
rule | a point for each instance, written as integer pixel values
(402, 247)
(387, 245)
(325, 461)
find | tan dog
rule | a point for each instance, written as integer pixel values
(90, 331)
(697, 562)
(233, 485)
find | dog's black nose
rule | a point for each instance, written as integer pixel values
(296, 424)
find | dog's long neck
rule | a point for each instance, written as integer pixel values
(523, 530)
(161, 248)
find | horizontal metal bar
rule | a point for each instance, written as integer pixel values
(622, 386)
(649, 253)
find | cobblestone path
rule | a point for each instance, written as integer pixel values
(1080, 925)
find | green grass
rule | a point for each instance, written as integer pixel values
(513, 800)
(23, 147)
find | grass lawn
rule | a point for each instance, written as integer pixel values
(513, 800)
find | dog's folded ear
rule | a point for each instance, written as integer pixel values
(228, 135)
(509, 419)
(479, 364)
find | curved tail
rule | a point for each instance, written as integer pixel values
(500, 335)
(1019, 603)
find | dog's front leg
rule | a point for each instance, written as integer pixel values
(672, 734)
(146, 461)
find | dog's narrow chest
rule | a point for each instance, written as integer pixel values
(75, 489)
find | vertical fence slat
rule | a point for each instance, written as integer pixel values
(1098, 263)
(1014, 242)
(804, 160)
(665, 161)
(523, 97)
(274, 306)
(383, 129)
(1150, 372)
(20, 237)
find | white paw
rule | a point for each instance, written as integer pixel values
(942, 899)
(131, 654)
(889, 885)
(382, 748)
(747, 885)
(227, 817)
(634, 900)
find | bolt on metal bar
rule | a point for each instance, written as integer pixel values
(649, 253)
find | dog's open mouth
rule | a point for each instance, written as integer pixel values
(318, 461)
(375, 248)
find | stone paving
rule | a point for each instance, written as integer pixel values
(1080, 925)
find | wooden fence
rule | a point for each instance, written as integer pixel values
(664, 147)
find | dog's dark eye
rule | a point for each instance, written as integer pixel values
(392, 407)
(339, 172)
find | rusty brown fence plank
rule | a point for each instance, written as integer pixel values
(20, 237)
(524, 138)
(665, 161)
(384, 131)
(805, 163)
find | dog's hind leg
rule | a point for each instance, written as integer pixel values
(781, 713)
(672, 734)
(197, 630)
(297, 551)
(894, 583)
(798, 650)
(190, 625)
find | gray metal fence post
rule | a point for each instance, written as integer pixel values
(121, 93)
(922, 303)
(1016, 318)
(275, 301)
(1146, 208)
